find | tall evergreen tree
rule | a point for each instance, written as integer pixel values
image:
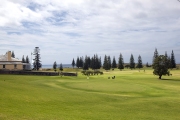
(105, 64)
(37, 63)
(23, 60)
(167, 60)
(155, 55)
(81, 62)
(61, 67)
(55, 66)
(169, 65)
(132, 63)
(73, 63)
(109, 62)
(114, 65)
(121, 62)
(27, 59)
(173, 62)
(166, 55)
(12, 54)
(89, 61)
(77, 62)
(139, 65)
(85, 65)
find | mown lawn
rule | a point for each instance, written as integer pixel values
(132, 95)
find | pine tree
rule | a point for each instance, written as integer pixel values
(114, 65)
(109, 62)
(105, 64)
(81, 62)
(132, 63)
(77, 62)
(37, 63)
(23, 60)
(155, 55)
(27, 59)
(121, 62)
(73, 63)
(12, 54)
(167, 60)
(85, 65)
(139, 65)
(61, 67)
(54, 66)
(173, 62)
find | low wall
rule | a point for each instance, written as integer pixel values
(37, 73)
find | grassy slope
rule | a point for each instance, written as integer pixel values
(132, 95)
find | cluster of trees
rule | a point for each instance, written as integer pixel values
(89, 62)
(25, 60)
(161, 63)
(55, 66)
(95, 62)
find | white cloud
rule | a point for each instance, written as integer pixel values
(76, 27)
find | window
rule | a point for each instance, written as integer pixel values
(15, 66)
(4, 66)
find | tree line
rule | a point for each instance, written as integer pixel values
(95, 62)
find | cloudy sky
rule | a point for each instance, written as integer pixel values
(65, 29)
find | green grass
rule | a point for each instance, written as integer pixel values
(132, 95)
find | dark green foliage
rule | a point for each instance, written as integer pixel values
(160, 66)
(77, 62)
(173, 62)
(81, 62)
(12, 54)
(55, 66)
(121, 62)
(95, 62)
(155, 55)
(114, 65)
(85, 65)
(73, 63)
(61, 67)
(37, 63)
(107, 63)
(139, 65)
(132, 63)
(95, 72)
(23, 60)
(27, 59)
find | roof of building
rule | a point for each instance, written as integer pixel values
(5, 58)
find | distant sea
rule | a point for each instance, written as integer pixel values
(51, 66)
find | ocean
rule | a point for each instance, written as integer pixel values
(51, 66)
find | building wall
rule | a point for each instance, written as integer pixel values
(12, 66)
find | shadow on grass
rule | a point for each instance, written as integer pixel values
(170, 79)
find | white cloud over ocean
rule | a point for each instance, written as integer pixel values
(66, 29)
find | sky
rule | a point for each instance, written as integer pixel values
(65, 29)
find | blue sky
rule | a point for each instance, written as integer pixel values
(65, 29)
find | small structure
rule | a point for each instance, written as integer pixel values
(9, 63)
